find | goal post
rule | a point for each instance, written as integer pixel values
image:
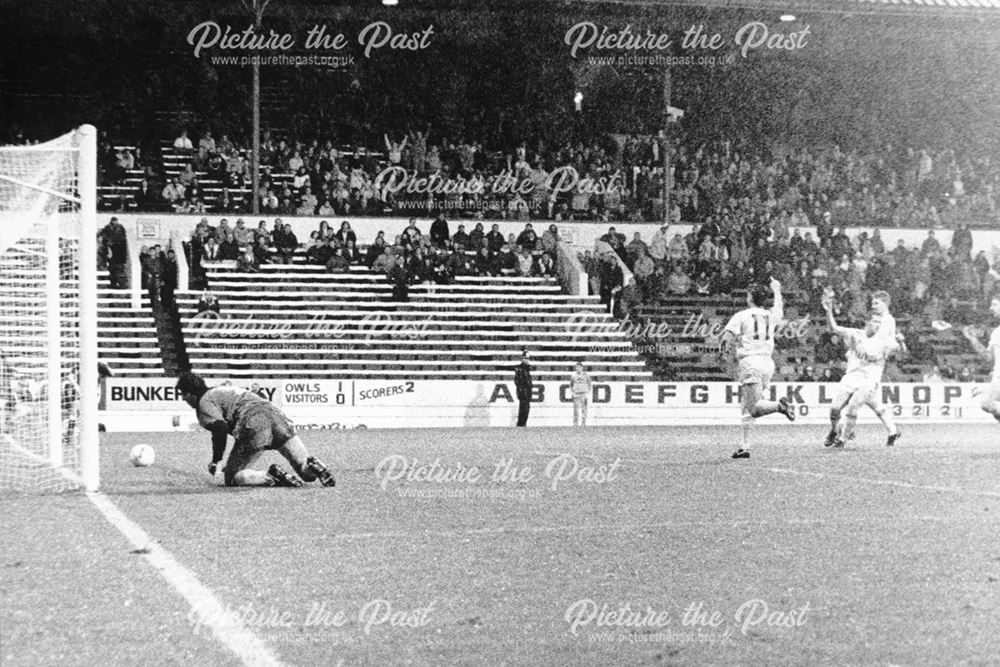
(48, 314)
(90, 468)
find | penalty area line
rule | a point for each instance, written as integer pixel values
(883, 482)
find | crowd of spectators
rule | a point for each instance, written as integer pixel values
(410, 257)
(711, 259)
(884, 186)
(620, 179)
(934, 288)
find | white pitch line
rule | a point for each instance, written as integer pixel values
(605, 528)
(226, 626)
(884, 482)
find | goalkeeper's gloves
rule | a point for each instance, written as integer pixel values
(212, 467)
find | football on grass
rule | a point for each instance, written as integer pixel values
(142, 456)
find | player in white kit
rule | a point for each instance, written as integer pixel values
(867, 351)
(884, 336)
(991, 400)
(895, 343)
(749, 336)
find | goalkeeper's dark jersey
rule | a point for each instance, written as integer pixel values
(228, 404)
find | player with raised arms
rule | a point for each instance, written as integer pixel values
(256, 425)
(867, 351)
(991, 351)
(894, 342)
(749, 336)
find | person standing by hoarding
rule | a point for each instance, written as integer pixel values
(581, 387)
(522, 385)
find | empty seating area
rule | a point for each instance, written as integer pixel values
(292, 322)
(126, 337)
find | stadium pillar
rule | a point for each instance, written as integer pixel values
(255, 150)
(258, 14)
(665, 147)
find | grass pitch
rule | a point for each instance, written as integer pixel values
(658, 550)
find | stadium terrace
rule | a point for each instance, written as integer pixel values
(505, 332)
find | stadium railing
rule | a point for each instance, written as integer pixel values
(570, 271)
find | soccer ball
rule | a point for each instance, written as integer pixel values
(142, 456)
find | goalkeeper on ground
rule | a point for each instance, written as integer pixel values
(256, 425)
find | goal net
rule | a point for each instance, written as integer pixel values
(48, 314)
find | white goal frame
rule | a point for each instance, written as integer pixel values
(88, 476)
